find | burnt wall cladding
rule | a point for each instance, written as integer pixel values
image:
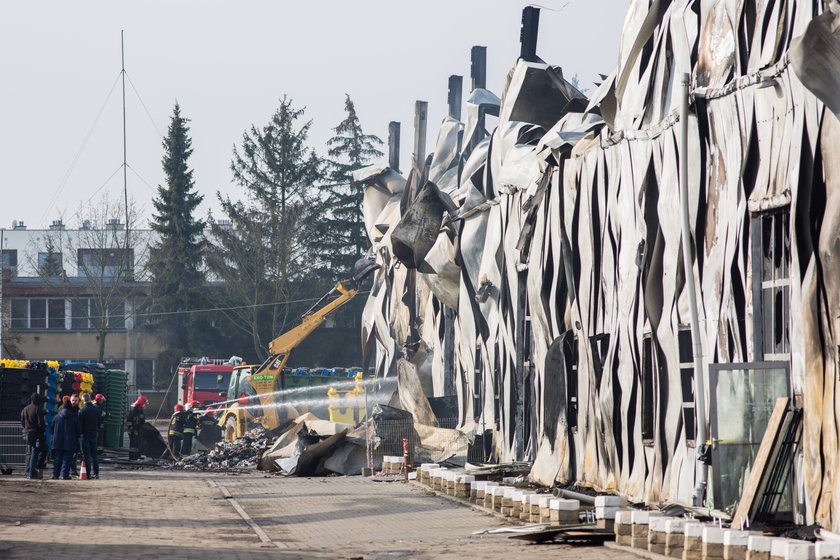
(577, 228)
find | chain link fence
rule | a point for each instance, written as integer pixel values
(13, 449)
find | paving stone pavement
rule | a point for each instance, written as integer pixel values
(174, 514)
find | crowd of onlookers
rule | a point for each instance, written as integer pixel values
(75, 430)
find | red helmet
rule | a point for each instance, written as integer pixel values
(141, 401)
(194, 404)
(65, 398)
(99, 397)
(179, 407)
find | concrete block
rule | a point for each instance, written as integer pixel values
(657, 535)
(713, 543)
(605, 512)
(735, 545)
(510, 480)
(488, 494)
(609, 501)
(758, 547)
(827, 550)
(562, 504)
(674, 537)
(786, 549)
(623, 528)
(693, 541)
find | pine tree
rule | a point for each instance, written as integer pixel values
(261, 250)
(342, 238)
(175, 259)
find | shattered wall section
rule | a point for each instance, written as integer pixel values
(562, 253)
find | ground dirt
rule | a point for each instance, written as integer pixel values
(147, 514)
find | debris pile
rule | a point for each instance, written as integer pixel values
(244, 453)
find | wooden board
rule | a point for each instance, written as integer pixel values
(762, 463)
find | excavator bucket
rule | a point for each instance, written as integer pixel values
(363, 268)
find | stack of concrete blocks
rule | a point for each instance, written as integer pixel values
(712, 543)
(488, 494)
(507, 500)
(534, 506)
(693, 541)
(477, 491)
(437, 478)
(623, 527)
(545, 511)
(497, 496)
(657, 534)
(424, 471)
(640, 520)
(674, 537)
(463, 486)
(786, 549)
(825, 550)
(448, 483)
(525, 505)
(563, 511)
(735, 544)
(605, 510)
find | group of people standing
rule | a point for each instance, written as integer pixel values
(75, 428)
(183, 426)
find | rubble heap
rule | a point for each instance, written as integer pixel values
(244, 453)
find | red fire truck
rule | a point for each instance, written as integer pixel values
(204, 380)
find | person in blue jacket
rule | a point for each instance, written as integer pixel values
(66, 431)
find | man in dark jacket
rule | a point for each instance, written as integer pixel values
(34, 423)
(134, 422)
(89, 420)
(66, 431)
(190, 427)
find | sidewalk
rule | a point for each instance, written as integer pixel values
(176, 514)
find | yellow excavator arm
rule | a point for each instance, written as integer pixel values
(290, 339)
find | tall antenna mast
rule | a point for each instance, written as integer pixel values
(125, 163)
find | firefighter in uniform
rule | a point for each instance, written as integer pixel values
(190, 426)
(134, 422)
(175, 435)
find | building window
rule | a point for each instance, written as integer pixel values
(775, 285)
(10, 261)
(38, 313)
(144, 374)
(600, 344)
(105, 263)
(86, 314)
(686, 353)
(648, 367)
(50, 264)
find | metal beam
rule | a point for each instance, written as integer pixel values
(421, 110)
(528, 34)
(394, 145)
(453, 99)
(478, 67)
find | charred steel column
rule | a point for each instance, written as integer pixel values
(421, 109)
(478, 67)
(528, 34)
(394, 145)
(454, 96)
(688, 252)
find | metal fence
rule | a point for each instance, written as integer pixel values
(424, 445)
(13, 449)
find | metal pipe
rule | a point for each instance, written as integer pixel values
(699, 382)
(582, 498)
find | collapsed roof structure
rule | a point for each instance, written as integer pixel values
(536, 272)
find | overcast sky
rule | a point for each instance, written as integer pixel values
(227, 64)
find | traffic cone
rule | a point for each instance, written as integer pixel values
(83, 472)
